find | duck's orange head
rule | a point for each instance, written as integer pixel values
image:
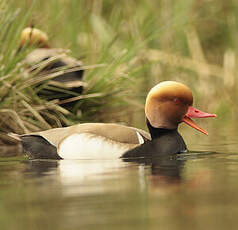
(170, 103)
(32, 36)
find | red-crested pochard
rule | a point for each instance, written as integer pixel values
(70, 80)
(167, 105)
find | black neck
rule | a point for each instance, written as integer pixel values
(157, 132)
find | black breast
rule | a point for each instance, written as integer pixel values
(164, 142)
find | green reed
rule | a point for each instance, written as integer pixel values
(126, 47)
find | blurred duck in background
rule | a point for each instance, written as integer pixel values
(65, 72)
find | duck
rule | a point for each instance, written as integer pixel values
(168, 104)
(68, 84)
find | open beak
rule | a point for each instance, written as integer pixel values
(195, 113)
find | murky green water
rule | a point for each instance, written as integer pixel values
(198, 190)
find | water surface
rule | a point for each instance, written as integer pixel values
(197, 190)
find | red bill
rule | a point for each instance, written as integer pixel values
(195, 113)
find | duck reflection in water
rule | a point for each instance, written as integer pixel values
(162, 170)
(40, 168)
(165, 169)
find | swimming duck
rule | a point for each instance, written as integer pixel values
(69, 80)
(167, 105)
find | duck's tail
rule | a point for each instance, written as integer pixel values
(15, 136)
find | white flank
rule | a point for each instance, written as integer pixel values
(89, 146)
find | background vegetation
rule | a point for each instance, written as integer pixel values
(126, 48)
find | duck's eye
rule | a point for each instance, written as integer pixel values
(176, 100)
